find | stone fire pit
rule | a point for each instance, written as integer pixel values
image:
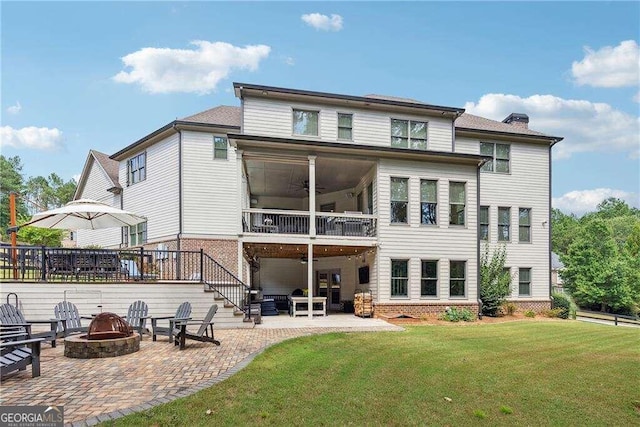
(79, 347)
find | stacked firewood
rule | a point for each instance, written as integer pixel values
(363, 304)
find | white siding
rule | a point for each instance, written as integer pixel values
(526, 186)
(274, 118)
(95, 188)
(157, 197)
(416, 242)
(210, 187)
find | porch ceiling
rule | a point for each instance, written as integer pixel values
(287, 179)
(275, 250)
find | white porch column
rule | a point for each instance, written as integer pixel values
(240, 195)
(312, 197)
(310, 277)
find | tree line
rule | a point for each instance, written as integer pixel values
(601, 255)
(34, 194)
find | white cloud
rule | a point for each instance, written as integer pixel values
(14, 109)
(289, 61)
(580, 202)
(586, 126)
(323, 22)
(636, 98)
(199, 70)
(610, 66)
(76, 178)
(30, 137)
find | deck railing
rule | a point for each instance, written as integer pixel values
(39, 263)
(273, 221)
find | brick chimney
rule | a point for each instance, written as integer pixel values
(518, 120)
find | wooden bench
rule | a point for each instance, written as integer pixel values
(18, 350)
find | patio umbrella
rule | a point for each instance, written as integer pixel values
(84, 214)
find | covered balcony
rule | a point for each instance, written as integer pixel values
(309, 195)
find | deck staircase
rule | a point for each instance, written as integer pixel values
(230, 293)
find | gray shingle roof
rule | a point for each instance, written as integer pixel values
(469, 121)
(230, 116)
(111, 167)
(222, 115)
(556, 264)
(394, 98)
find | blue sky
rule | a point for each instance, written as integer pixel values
(572, 67)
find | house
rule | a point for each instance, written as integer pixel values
(557, 284)
(332, 193)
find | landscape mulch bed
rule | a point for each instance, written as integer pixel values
(433, 320)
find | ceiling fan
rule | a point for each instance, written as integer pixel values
(304, 185)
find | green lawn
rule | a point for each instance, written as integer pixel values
(517, 373)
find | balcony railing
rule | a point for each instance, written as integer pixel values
(272, 221)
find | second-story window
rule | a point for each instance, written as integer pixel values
(484, 223)
(399, 200)
(305, 122)
(499, 153)
(409, 134)
(457, 202)
(345, 126)
(137, 168)
(219, 147)
(524, 225)
(428, 201)
(504, 224)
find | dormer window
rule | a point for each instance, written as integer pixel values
(409, 134)
(305, 122)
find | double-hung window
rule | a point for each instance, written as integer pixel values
(484, 223)
(399, 200)
(504, 224)
(305, 122)
(524, 225)
(137, 169)
(524, 282)
(499, 153)
(399, 278)
(428, 201)
(457, 278)
(409, 134)
(429, 279)
(138, 234)
(457, 201)
(345, 126)
(219, 147)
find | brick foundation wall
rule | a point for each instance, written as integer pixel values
(225, 252)
(536, 306)
(419, 310)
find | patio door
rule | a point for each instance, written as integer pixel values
(328, 285)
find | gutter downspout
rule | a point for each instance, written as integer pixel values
(549, 217)
(180, 219)
(478, 239)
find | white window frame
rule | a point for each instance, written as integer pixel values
(490, 166)
(409, 139)
(216, 149)
(293, 121)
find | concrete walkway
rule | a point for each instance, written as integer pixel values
(97, 390)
